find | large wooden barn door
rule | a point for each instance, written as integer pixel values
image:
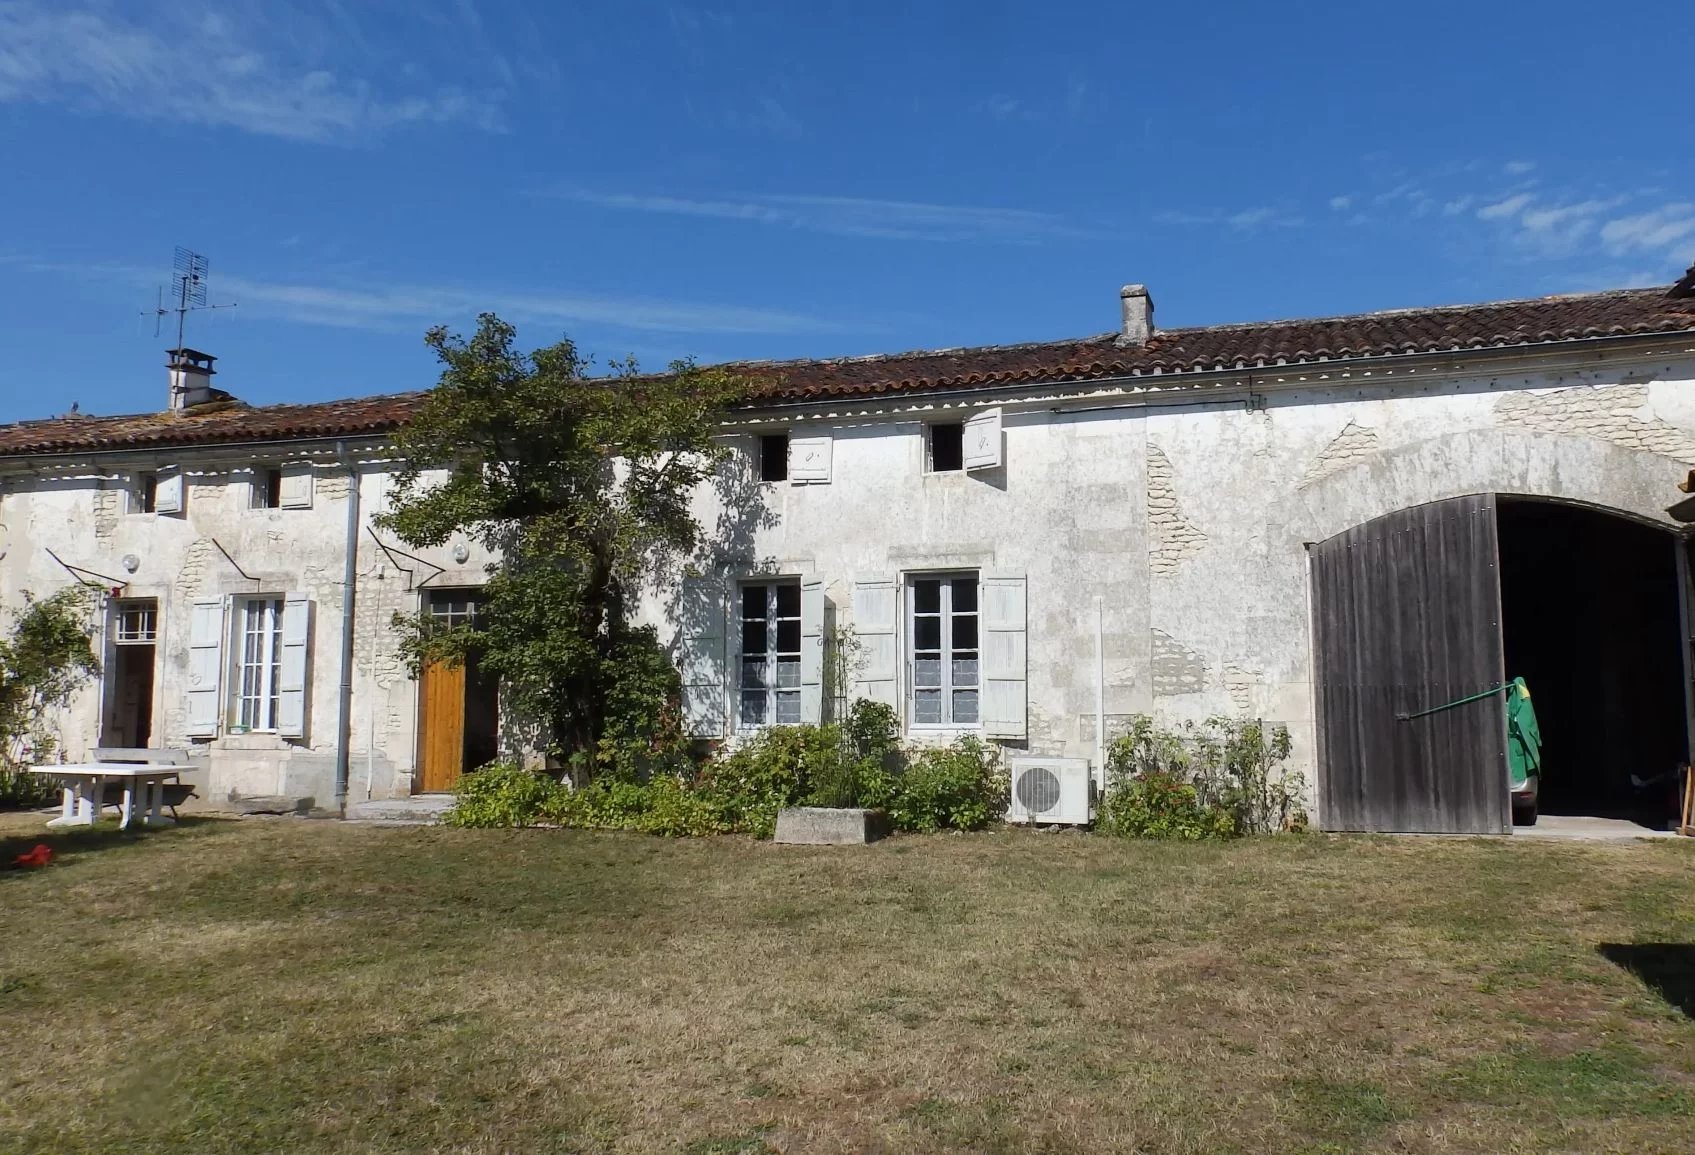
(1407, 616)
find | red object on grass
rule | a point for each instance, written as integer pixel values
(40, 856)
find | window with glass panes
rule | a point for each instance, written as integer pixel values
(451, 608)
(769, 676)
(137, 622)
(261, 662)
(943, 628)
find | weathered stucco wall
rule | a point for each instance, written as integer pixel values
(1190, 519)
(220, 546)
(1187, 517)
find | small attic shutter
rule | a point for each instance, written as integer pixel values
(812, 650)
(296, 492)
(809, 458)
(983, 440)
(1005, 666)
(874, 620)
(294, 668)
(700, 657)
(205, 665)
(167, 493)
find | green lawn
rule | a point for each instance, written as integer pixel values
(286, 985)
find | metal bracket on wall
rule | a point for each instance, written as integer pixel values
(82, 576)
(235, 565)
(411, 575)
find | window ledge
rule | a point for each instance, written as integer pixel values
(253, 740)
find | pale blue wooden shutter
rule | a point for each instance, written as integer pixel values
(1005, 660)
(700, 657)
(205, 667)
(812, 650)
(875, 621)
(294, 670)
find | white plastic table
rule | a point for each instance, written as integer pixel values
(84, 782)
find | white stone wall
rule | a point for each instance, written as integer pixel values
(1188, 519)
(219, 546)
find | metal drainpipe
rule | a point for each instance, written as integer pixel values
(349, 577)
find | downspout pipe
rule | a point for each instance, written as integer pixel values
(349, 578)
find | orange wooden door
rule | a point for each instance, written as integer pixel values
(441, 745)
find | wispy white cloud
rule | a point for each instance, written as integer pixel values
(848, 216)
(200, 64)
(1518, 167)
(1242, 220)
(399, 306)
(1341, 203)
(402, 305)
(1668, 227)
(1505, 208)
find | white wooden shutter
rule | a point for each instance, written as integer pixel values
(875, 615)
(294, 667)
(812, 650)
(205, 666)
(983, 440)
(167, 492)
(700, 657)
(809, 458)
(296, 490)
(1005, 661)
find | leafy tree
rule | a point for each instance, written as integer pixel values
(581, 488)
(43, 660)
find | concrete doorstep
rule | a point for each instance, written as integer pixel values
(418, 810)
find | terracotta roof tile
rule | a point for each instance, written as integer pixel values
(1542, 320)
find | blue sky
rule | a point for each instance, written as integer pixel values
(782, 180)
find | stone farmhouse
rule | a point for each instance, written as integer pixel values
(1335, 524)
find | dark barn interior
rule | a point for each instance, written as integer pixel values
(1590, 608)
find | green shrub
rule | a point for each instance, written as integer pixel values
(663, 805)
(21, 790)
(1213, 779)
(771, 770)
(503, 794)
(1158, 804)
(858, 762)
(955, 787)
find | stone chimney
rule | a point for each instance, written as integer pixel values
(1138, 315)
(191, 378)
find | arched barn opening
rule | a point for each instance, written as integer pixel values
(1591, 621)
(1422, 617)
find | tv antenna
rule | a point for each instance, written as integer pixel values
(188, 292)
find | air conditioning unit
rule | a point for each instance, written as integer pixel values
(1046, 791)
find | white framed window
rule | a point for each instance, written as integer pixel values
(135, 623)
(259, 672)
(769, 658)
(451, 608)
(943, 628)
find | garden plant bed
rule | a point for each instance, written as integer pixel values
(315, 986)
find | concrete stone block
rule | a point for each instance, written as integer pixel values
(830, 826)
(269, 804)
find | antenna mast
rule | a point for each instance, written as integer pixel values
(188, 292)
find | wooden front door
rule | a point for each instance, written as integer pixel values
(1407, 618)
(441, 753)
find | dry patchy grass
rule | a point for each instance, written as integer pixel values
(290, 985)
